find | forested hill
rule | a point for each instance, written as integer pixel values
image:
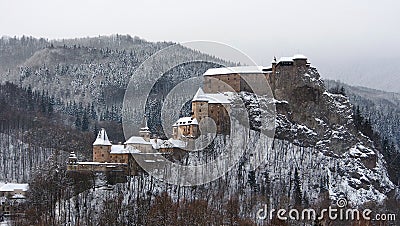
(81, 70)
(31, 130)
(84, 80)
(55, 95)
(86, 75)
(380, 107)
(59, 93)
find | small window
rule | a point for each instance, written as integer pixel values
(102, 155)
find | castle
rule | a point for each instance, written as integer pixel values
(220, 83)
(213, 102)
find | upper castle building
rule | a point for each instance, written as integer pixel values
(233, 79)
(220, 83)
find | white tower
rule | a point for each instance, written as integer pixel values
(144, 130)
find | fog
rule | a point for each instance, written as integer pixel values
(354, 41)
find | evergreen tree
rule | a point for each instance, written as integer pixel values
(78, 122)
(50, 106)
(85, 122)
(252, 180)
(297, 189)
(93, 113)
(95, 130)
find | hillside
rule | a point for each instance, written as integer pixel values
(317, 157)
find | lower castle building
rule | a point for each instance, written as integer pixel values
(12, 197)
(108, 157)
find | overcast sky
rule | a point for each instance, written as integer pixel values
(356, 41)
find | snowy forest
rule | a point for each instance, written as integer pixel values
(57, 94)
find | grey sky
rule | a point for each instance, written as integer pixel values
(355, 41)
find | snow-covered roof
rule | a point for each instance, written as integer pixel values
(102, 138)
(185, 121)
(177, 143)
(13, 186)
(18, 196)
(72, 155)
(234, 70)
(101, 163)
(116, 148)
(291, 59)
(299, 57)
(199, 96)
(120, 149)
(266, 69)
(285, 59)
(137, 140)
(212, 98)
(159, 143)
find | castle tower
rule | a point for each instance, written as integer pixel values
(101, 147)
(273, 65)
(200, 105)
(300, 60)
(144, 130)
(72, 159)
(186, 127)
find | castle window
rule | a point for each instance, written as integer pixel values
(199, 110)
